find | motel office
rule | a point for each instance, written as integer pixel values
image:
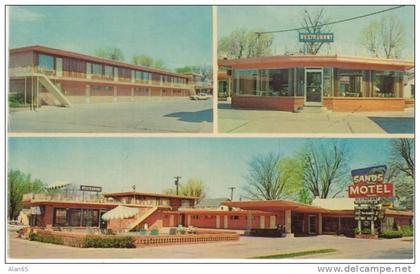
(337, 83)
(64, 77)
(324, 216)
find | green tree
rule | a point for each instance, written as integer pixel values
(159, 64)
(115, 54)
(324, 169)
(402, 156)
(242, 43)
(272, 178)
(193, 187)
(19, 183)
(142, 60)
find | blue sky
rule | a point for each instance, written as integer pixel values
(151, 163)
(347, 35)
(177, 35)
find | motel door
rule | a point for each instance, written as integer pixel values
(312, 224)
(313, 86)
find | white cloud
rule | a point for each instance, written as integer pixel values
(24, 15)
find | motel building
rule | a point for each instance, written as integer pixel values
(81, 210)
(303, 82)
(58, 77)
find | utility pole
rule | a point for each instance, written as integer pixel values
(232, 188)
(134, 193)
(177, 183)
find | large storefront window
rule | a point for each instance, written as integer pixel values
(46, 61)
(275, 82)
(246, 82)
(60, 217)
(328, 82)
(265, 82)
(90, 217)
(349, 83)
(109, 72)
(97, 69)
(386, 84)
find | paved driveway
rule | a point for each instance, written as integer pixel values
(153, 115)
(266, 121)
(246, 247)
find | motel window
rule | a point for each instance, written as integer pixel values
(60, 217)
(46, 61)
(234, 217)
(74, 65)
(97, 69)
(124, 73)
(138, 75)
(109, 71)
(386, 84)
(349, 83)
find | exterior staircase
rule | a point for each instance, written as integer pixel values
(46, 82)
(54, 90)
(141, 218)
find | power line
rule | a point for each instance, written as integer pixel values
(332, 23)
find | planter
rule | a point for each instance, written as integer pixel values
(366, 236)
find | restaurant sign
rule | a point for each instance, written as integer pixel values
(91, 188)
(320, 37)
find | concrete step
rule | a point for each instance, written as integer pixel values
(313, 109)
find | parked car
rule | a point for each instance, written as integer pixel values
(14, 225)
(200, 96)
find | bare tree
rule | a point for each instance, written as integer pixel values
(402, 156)
(272, 178)
(242, 43)
(314, 23)
(392, 34)
(325, 170)
(384, 38)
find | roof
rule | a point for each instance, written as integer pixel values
(158, 195)
(343, 203)
(91, 204)
(290, 61)
(213, 202)
(393, 212)
(90, 58)
(274, 205)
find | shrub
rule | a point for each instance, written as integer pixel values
(16, 99)
(407, 230)
(366, 231)
(51, 239)
(391, 234)
(102, 242)
(356, 230)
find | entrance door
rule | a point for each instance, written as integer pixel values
(311, 224)
(313, 86)
(102, 224)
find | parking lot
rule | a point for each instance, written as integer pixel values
(267, 121)
(150, 115)
(246, 247)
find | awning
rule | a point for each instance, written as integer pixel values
(120, 212)
(58, 185)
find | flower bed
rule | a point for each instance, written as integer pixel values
(115, 241)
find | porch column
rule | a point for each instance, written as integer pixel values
(225, 222)
(319, 223)
(288, 223)
(87, 94)
(115, 99)
(217, 221)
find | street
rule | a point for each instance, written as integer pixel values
(151, 115)
(246, 247)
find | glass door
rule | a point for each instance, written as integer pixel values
(313, 86)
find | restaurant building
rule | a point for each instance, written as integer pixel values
(337, 83)
(58, 77)
(324, 216)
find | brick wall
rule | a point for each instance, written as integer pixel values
(342, 104)
(283, 103)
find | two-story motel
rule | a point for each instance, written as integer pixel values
(337, 83)
(324, 216)
(54, 76)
